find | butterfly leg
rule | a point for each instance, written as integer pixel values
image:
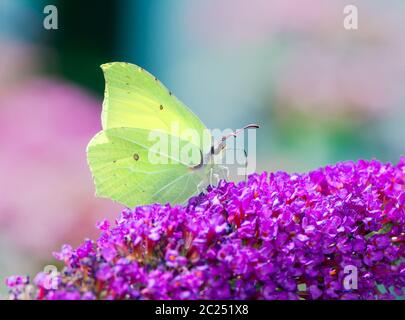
(213, 178)
(216, 178)
(210, 176)
(224, 172)
(201, 187)
(242, 168)
(245, 164)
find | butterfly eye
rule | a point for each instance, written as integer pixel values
(136, 156)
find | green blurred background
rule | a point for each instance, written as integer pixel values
(320, 92)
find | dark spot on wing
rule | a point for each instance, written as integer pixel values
(161, 107)
(170, 93)
(136, 156)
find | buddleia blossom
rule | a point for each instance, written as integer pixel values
(275, 236)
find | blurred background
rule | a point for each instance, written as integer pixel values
(320, 92)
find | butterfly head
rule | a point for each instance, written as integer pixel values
(221, 145)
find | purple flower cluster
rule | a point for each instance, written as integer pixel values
(276, 236)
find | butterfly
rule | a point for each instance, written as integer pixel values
(130, 167)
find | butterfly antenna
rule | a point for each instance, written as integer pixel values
(235, 133)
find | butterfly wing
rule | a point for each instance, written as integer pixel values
(120, 161)
(134, 98)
